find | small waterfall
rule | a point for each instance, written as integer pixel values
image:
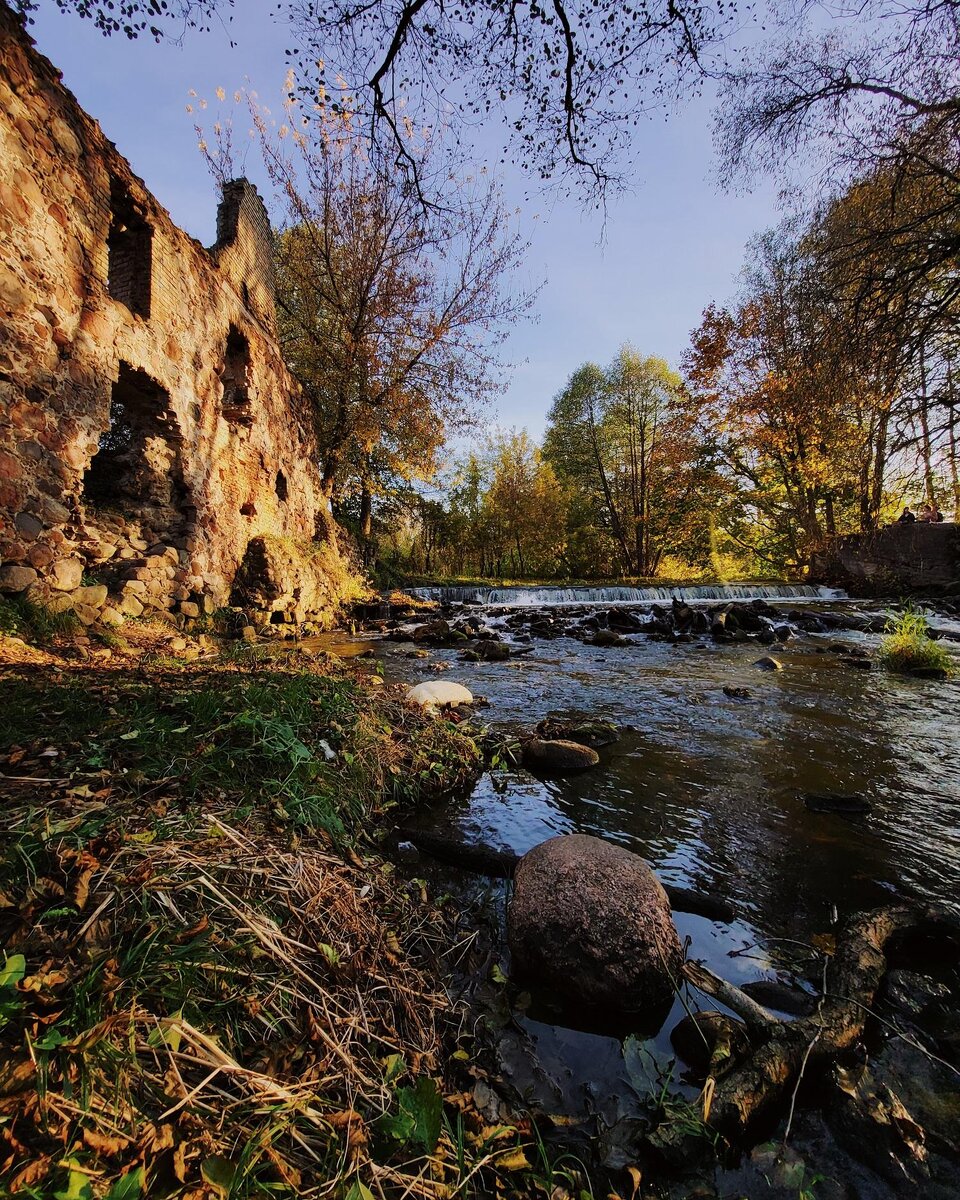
(550, 596)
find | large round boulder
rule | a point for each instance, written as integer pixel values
(590, 922)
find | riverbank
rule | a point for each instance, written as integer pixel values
(219, 982)
(214, 983)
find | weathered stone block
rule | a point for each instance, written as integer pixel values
(15, 578)
(59, 602)
(28, 526)
(95, 595)
(40, 556)
(131, 606)
(65, 574)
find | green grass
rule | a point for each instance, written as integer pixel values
(312, 751)
(34, 623)
(907, 646)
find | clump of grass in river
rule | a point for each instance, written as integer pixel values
(908, 647)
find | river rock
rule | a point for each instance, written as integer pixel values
(439, 693)
(606, 638)
(557, 757)
(490, 651)
(859, 664)
(591, 922)
(624, 620)
(432, 631)
(836, 802)
(769, 663)
(696, 1036)
(587, 732)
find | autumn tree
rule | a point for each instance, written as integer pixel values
(133, 18)
(567, 80)
(805, 388)
(524, 506)
(389, 316)
(868, 103)
(619, 440)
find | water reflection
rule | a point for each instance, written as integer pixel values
(709, 788)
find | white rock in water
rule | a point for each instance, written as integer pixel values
(440, 692)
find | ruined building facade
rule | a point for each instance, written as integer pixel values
(154, 452)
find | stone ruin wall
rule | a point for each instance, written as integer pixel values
(152, 438)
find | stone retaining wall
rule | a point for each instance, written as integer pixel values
(912, 557)
(151, 430)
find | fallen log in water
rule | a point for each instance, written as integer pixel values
(501, 864)
(764, 1081)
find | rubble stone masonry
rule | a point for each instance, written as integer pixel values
(152, 441)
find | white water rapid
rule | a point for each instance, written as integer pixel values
(549, 596)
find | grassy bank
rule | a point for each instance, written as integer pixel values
(211, 983)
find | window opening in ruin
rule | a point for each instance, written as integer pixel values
(129, 253)
(235, 378)
(136, 470)
(245, 293)
(281, 486)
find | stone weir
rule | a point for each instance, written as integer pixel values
(155, 454)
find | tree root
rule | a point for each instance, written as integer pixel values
(784, 1051)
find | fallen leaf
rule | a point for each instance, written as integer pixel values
(513, 1160)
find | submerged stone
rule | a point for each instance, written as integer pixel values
(558, 757)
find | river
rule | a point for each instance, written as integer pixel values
(710, 788)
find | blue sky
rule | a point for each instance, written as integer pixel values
(671, 245)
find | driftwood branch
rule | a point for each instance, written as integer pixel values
(754, 1014)
(764, 1081)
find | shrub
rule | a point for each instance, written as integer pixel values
(907, 646)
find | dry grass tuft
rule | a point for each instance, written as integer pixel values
(219, 1007)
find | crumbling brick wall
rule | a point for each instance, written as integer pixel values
(151, 430)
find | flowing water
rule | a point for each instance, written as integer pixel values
(709, 788)
(556, 597)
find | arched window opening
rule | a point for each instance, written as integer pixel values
(136, 468)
